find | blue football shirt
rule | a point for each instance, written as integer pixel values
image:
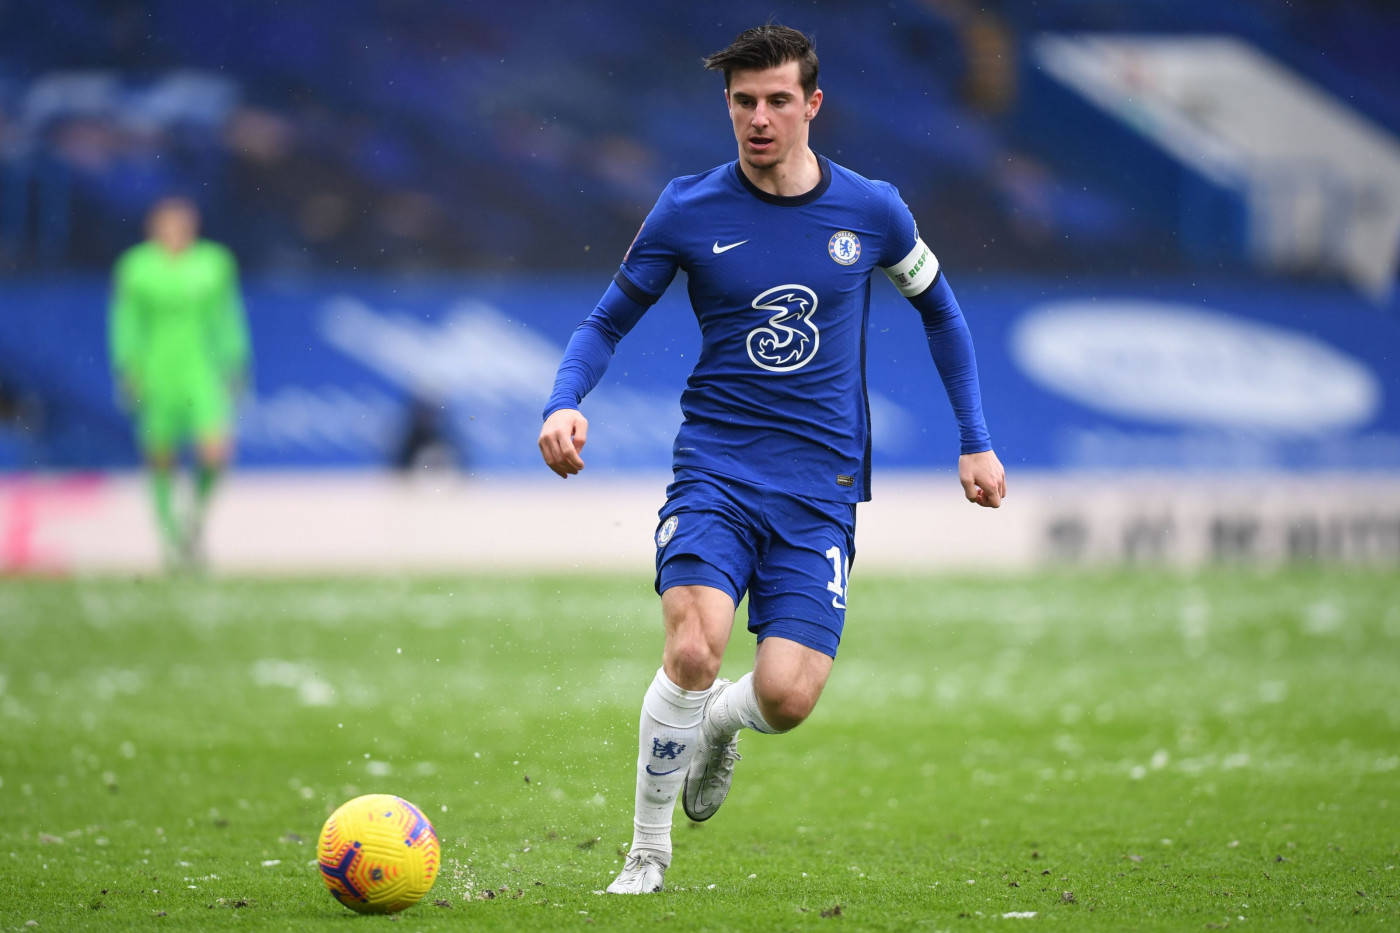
(781, 289)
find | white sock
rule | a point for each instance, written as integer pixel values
(734, 709)
(666, 737)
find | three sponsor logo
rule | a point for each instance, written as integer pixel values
(790, 338)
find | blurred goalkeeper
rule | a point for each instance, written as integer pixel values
(179, 348)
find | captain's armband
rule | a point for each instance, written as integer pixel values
(915, 272)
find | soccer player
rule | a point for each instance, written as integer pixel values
(774, 450)
(179, 349)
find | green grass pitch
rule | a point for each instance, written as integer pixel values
(1118, 751)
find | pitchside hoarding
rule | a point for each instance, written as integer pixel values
(1075, 376)
(1173, 424)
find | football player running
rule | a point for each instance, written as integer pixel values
(773, 453)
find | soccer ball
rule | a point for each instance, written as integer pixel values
(378, 854)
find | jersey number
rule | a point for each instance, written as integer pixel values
(840, 576)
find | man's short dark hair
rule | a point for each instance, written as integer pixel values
(172, 202)
(768, 46)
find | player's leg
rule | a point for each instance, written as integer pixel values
(157, 433)
(210, 417)
(775, 697)
(702, 548)
(160, 464)
(797, 609)
(698, 621)
(787, 680)
(211, 459)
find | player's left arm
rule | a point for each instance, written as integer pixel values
(230, 328)
(917, 275)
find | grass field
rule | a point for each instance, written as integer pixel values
(1117, 751)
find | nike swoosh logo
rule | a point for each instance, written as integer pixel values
(660, 773)
(724, 249)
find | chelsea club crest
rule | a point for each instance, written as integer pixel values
(844, 247)
(664, 534)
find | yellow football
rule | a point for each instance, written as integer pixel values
(378, 854)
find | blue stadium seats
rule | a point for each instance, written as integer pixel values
(361, 135)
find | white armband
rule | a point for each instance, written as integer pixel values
(915, 272)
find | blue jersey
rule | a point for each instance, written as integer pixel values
(781, 289)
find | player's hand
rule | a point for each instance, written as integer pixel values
(983, 479)
(562, 437)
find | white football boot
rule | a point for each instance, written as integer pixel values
(643, 873)
(711, 771)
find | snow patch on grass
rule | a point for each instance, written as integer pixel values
(311, 688)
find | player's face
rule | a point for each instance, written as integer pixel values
(174, 226)
(770, 114)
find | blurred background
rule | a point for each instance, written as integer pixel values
(1173, 226)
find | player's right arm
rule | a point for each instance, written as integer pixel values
(125, 333)
(586, 358)
(646, 270)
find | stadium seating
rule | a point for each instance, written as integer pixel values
(418, 136)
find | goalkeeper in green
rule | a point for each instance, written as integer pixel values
(179, 348)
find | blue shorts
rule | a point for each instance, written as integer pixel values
(791, 555)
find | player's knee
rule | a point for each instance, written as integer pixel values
(696, 635)
(787, 707)
(690, 661)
